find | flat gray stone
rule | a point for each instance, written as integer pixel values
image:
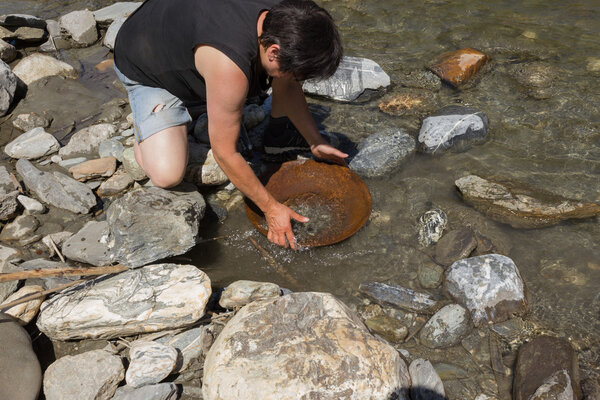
(87, 140)
(91, 375)
(70, 162)
(57, 189)
(30, 36)
(150, 224)
(398, 296)
(8, 86)
(452, 126)
(161, 391)
(89, 245)
(47, 282)
(80, 26)
(150, 363)
(353, 76)
(16, 20)
(122, 9)
(33, 144)
(153, 298)
(426, 384)
(382, 152)
(240, 293)
(446, 327)
(489, 286)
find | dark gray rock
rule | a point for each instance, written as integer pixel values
(7, 288)
(20, 372)
(489, 286)
(546, 361)
(353, 76)
(382, 152)
(398, 296)
(150, 224)
(57, 189)
(16, 20)
(8, 86)
(89, 245)
(455, 245)
(161, 391)
(430, 274)
(453, 126)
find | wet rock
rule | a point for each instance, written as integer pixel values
(489, 286)
(452, 126)
(24, 312)
(9, 206)
(37, 66)
(57, 189)
(448, 372)
(17, 20)
(7, 52)
(70, 162)
(382, 152)
(131, 166)
(98, 168)
(240, 293)
(32, 206)
(91, 375)
(301, 345)
(546, 365)
(421, 80)
(148, 299)
(353, 76)
(430, 275)
(408, 102)
(151, 224)
(458, 67)
(426, 384)
(391, 329)
(519, 205)
(33, 144)
(513, 329)
(22, 227)
(80, 26)
(116, 184)
(105, 16)
(446, 328)
(149, 363)
(562, 271)
(455, 245)
(87, 140)
(20, 372)
(591, 389)
(593, 64)
(8, 86)
(431, 227)
(191, 345)
(206, 172)
(161, 391)
(398, 296)
(537, 78)
(27, 122)
(29, 36)
(89, 245)
(111, 148)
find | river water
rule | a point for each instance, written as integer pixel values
(551, 143)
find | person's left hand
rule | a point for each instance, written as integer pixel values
(328, 152)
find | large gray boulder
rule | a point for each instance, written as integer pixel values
(382, 152)
(57, 189)
(80, 26)
(150, 224)
(353, 76)
(302, 345)
(153, 298)
(8, 86)
(33, 144)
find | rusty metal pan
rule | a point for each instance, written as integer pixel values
(336, 200)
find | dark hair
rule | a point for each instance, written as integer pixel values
(310, 45)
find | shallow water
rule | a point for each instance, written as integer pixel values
(552, 144)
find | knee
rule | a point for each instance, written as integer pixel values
(167, 177)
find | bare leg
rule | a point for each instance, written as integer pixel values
(163, 156)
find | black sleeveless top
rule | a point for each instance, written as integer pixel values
(155, 46)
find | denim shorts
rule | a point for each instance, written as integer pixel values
(144, 99)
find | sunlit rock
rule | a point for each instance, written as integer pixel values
(33, 144)
(98, 168)
(87, 140)
(301, 345)
(80, 26)
(22, 227)
(122, 9)
(9, 206)
(149, 363)
(89, 245)
(459, 66)
(148, 299)
(203, 169)
(353, 76)
(240, 293)
(29, 36)
(519, 205)
(191, 344)
(116, 184)
(24, 312)
(489, 286)
(382, 152)
(131, 165)
(7, 52)
(27, 122)
(37, 66)
(160, 391)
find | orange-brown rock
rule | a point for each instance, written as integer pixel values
(408, 102)
(100, 167)
(459, 66)
(103, 66)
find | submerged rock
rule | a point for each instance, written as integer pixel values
(408, 102)
(489, 286)
(425, 382)
(37, 66)
(537, 78)
(149, 363)
(301, 345)
(521, 206)
(91, 375)
(240, 293)
(80, 26)
(431, 227)
(8, 87)
(57, 189)
(391, 329)
(33, 144)
(446, 328)
(455, 245)
(148, 299)
(458, 67)
(398, 296)
(150, 224)
(382, 152)
(353, 76)
(546, 364)
(452, 126)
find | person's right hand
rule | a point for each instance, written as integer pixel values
(278, 219)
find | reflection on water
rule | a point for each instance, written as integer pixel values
(552, 143)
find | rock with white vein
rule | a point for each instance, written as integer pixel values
(150, 363)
